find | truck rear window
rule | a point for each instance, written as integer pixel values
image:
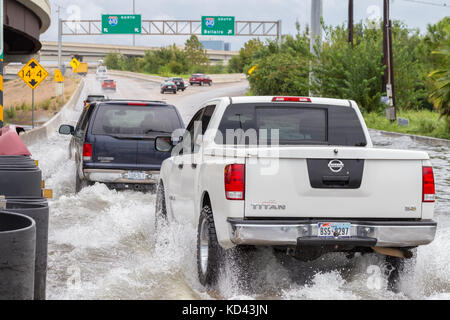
(297, 124)
(135, 120)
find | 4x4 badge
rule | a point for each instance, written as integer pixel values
(336, 166)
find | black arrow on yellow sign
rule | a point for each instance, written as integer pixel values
(33, 65)
(33, 82)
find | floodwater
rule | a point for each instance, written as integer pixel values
(102, 243)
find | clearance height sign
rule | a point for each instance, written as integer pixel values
(218, 26)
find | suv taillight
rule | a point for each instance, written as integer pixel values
(428, 193)
(235, 182)
(87, 152)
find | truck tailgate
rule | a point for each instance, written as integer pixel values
(304, 183)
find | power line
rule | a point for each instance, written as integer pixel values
(430, 3)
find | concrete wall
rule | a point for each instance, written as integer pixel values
(52, 126)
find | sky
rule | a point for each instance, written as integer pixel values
(413, 14)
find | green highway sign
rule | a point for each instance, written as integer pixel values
(121, 24)
(218, 26)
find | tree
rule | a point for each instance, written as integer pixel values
(441, 77)
(237, 64)
(195, 54)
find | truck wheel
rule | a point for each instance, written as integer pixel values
(394, 268)
(209, 252)
(80, 183)
(160, 206)
(210, 84)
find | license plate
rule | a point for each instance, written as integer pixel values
(137, 175)
(334, 230)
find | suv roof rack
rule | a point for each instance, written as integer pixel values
(131, 101)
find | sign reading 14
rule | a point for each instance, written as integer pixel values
(33, 73)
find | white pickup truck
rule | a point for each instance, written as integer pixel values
(296, 174)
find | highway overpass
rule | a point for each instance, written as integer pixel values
(24, 21)
(94, 52)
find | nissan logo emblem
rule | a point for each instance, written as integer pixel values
(336, 165)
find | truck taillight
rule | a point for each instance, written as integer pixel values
(87, 152)
(428, 185)
(291, 99)
(235, 182)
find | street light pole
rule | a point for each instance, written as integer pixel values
(315, 35)
(134, 12)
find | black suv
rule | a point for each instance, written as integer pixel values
(179, 82)
(114, 142)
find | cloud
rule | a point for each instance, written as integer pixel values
(289, 11)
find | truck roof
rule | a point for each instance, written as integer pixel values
(314, 100)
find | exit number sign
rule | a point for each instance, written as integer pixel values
(121, 24)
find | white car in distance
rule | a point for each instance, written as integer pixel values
(102, 73)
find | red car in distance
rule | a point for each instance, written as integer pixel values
(200, 79)
(109, 85)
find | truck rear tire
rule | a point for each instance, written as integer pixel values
(209, 252)
(394, 268)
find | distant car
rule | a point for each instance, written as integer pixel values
(168, 86)
(95, 97)
(102, 73)
(179, 82)
(200, 79)
(109, 85)
(114, 143)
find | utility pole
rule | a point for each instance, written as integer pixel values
(316, 28)
(388, 79)
(134, 12)
(315, 34)
(350, 22)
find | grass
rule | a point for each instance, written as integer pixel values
(46, 104)
(423, 123)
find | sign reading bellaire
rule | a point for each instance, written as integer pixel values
(33, 74)
(218, 26)
(121, 24)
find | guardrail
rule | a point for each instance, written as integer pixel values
(436, 142)
(216, 78)
(51, 126)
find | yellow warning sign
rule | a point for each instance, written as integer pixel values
(74, 64)
(33, 73)
(58, 76)
(250, 72)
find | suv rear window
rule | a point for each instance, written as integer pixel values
(135, 120)
(298, 124)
